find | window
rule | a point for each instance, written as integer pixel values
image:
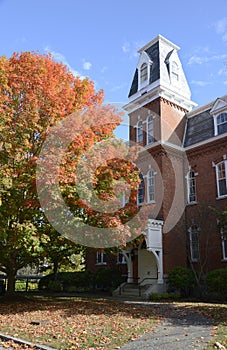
(150, 130)
(194, 242)
(140, 132)
(150, 186)
(221, 171)
(191, 187)
(140, 195)
(100, 258)
(121, 258)
(224, 241)
(143, 73)
(175, 74)
(222, 123)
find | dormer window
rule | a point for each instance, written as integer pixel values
(175, 74)
(143, 73)
(221, 123)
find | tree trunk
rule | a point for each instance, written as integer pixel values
(11, 282)
(55, 269)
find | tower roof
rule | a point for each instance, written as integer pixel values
(165, 76)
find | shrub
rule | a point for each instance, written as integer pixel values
(164, 296)
(181, 279)
(217, 281)
(55, 286)
(106, 279)
(70, 281)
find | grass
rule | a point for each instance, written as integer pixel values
(76, 323)
(79, 323)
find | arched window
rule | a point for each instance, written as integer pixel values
(150, 130)
(140, 194)
(222, 123)
(143, 73)
(150, 186)
(140, 132)
(175, 74)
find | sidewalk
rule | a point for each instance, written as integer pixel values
(180, 328)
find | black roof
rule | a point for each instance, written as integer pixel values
(153, 53)
(199, 127)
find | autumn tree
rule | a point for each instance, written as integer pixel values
(36, 93)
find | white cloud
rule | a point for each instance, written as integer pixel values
(87, 65)
(221, 28)
(126, 47)
(195, 59)
(200, 82)
(132, 48)
(118, 87)
(61, 58)
(103, 69)
(221, 25)
(222, 71)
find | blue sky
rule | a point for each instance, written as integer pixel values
(100, 39)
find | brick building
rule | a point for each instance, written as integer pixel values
(183, 165)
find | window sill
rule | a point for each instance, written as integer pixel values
(140, 204)
(101, 263)
(224, 260)
(192, 203)
(222, 197)
(151, 202)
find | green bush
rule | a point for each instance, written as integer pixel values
(107, 279)
(70, 281)
(165, 296)
(55, 286)
(181, 279)
(216, 281)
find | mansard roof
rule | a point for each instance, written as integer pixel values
(153, 53)
(200, 122)
(160, 55)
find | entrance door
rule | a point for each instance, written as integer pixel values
(147, 267)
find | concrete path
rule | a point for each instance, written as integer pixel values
(180, 328)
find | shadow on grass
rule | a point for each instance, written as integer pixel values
(69, 306)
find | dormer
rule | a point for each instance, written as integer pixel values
(144, 69)
(219, 113)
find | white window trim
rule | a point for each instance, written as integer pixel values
(191, 246)
(137, 131)
(174, 72)
(123, 261)
(215, 116)
(137, 199)
(147, 130)
(148, 192)
(148, 62)
(217, 178)
(100, 261)
(223, 251)
(188, 187)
